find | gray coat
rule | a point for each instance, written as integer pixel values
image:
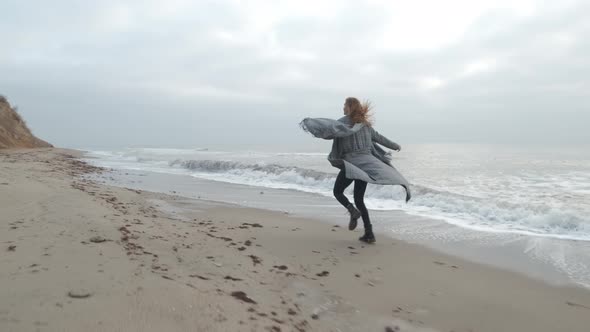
(355, 151)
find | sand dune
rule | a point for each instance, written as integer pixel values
(14, 132)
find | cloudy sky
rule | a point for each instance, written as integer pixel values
(243, 73)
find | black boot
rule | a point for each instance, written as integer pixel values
(369, 237)
(354, 216)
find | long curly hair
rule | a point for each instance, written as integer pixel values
(359, 112)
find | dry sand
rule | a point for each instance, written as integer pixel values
(80, 256)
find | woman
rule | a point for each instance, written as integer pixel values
(359, 159)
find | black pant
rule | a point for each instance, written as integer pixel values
(359, 194)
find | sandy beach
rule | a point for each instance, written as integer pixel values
(81, 256)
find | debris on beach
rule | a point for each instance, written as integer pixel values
(572, 304)
(323, 274)
(97, 239)
(242, 297)
(232, 278)
(255, 259)
(198, 276)
(255, 225)
(79, 293)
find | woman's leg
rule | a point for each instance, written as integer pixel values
(359, 201)
(341, 183)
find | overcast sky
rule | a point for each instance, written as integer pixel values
(212, 73)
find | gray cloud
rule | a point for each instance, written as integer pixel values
(186, 74)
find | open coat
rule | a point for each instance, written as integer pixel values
(355, 150)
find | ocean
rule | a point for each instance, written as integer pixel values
(498, 194)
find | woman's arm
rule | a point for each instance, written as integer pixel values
(376, 137)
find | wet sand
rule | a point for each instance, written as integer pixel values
(79, 255)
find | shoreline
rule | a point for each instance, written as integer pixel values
(172, 263)
(464, 207)
(527, 255)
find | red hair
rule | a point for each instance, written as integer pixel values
(359, 112)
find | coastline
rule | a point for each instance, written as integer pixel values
(557, 261)
(172, 263)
